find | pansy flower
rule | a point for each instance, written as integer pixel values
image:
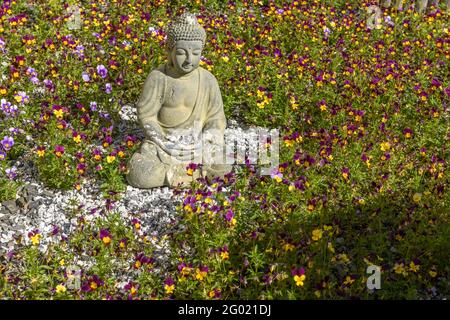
(229, 215)
(59, 150)
(136, 223)
(224, 254)
(108, 88)
(81, 167)
(299, 276)
(184, 269)
(386, 156)
(423, 151)
(215, 294)
(93, 105)
(169, 285)
(191, 167)
(107, 141)
(111, 157)
(408, 133)
(414, 265)
(102, 71)
(105, 236)
(35, 237)
(201, 272)
(76, 136)
(276, 175)
(11, 173)
(447, 91)
(123, 243)
(345, 173)
(7, 143)
(60, 288)
(21, 97)
(132, 288)
(316, 234)
(92, 284)
(85, 77)
(349, 280)
(97, 154)
(322, 105)
(130, 140)
(85, 119)
(58, 111)
(141, 260)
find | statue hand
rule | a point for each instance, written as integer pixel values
(184, 153)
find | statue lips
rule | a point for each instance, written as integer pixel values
(188, 66)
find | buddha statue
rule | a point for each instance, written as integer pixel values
(181, 112)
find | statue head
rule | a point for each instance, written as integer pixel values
(185, 42)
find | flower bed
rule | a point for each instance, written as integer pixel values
(363, 176)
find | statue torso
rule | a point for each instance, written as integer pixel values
(180, 98)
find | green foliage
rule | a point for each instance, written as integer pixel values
(363, 175)
(8, 189)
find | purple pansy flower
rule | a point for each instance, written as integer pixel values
(93, 106)
(108, 88)
(85, 77)
(7, 143)
(229, 215)
(102, 71)
(11, 173)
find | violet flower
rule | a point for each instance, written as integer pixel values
(7, 143)
(102, 71)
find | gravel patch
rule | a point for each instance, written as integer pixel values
(37, 207)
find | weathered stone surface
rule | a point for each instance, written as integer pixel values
(34, 204)
(30, 191)
(47, 193)
(10, 205)
(3, 211)
(181, 112)
(21, 202)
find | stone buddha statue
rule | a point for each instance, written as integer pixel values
(181, 112)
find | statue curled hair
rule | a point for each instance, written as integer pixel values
(185, 27)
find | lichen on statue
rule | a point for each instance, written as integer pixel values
(179, 101)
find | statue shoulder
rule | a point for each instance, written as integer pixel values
(156, 74)
(208, 76)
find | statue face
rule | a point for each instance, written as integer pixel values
(186, 55)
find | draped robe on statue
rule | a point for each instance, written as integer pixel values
(152, 166)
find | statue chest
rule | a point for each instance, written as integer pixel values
(179, 101)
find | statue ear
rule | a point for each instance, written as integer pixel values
(169, 55)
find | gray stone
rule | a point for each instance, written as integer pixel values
(34, 204)
(11, 206)
(30, 191)
(21, 202)
(3, 211)
(47, 193)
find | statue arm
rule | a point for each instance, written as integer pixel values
(149, 104)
